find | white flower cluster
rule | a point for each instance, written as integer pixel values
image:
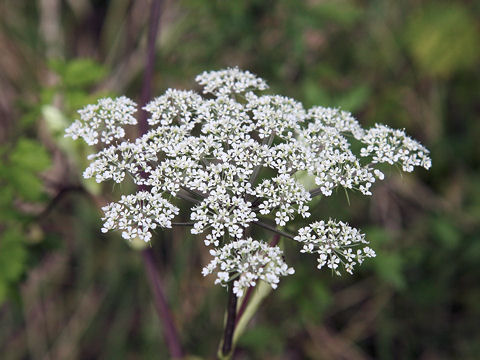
(221, 211)
(174, 106)
(275, 115)
(235, 155)
(229, 81)
(138, 214)
(393, 146)
(285, 194)
(333, 162)
(245, 262)
(334, 242)
(104, 121)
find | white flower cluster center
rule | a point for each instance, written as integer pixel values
(235, 155)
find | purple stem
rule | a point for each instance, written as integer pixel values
(170, 331)
(231, 321)
(155, 12)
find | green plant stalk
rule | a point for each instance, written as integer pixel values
(261, 291)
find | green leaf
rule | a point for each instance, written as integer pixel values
(13, 256)
(83, 72)
(29, 155)
(26, 184)
(25, 161)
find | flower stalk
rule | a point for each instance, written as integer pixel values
(227, 348)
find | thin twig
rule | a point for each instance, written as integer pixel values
(62, 192)
(182, 223)
(274, 229)
(255, 202)
(315, 192)
(194, 192)
(188, 198)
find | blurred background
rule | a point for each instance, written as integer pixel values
(67, 291)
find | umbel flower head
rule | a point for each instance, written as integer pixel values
(235, 155)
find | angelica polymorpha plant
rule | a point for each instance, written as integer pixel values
(235, 155)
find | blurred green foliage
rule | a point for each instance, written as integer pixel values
(77, 81)
(25, 161)
(410, 64)
(12, 259)
(22, 161)
(25, 158)
(443, 39)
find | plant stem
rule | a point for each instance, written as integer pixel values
(194, 192)
(315, 192)
(274, 229)
(188, 198)
(266, 141)
(231, 321)
(154, 24)
(170, 331)
(183, 223)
